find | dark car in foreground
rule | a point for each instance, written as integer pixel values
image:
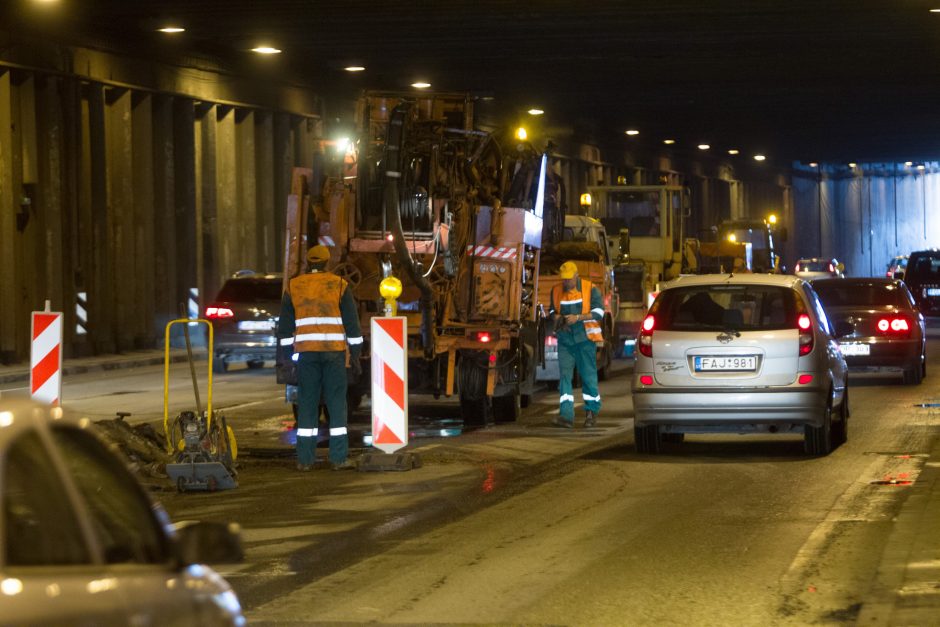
(923, 278)
(244, 315)
(888, 335)
(81, 543)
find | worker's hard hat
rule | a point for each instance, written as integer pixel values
(318, 254)
(568, 270)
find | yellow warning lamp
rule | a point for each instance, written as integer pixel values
(586, 200)
(521, 133)
(390, 289)
(772, 218)
(732, 237)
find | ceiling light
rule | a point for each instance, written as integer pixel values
(266, 50)
(703, 146)
(669, 142)
(633, 132)
(853, 164)
(421, 85)
(921, 166)
(354, 68)
(759, 158)
(171, 29)
(908, 163)
(935, 10)
(734, 151)
(535, 112)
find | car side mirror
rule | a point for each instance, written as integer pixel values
(844, 328)
(199, 542)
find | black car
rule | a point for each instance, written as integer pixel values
(244, 316)
(923, 278)
(888, 337)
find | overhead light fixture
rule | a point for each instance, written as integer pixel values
(760, 158)
(266, 50)
(421, 85)
(852, 164)
(935, 10)
(813, 164)
(921, 167)
(669, 142)
(535, 112)
(908, 163)
(172, 29)
(354, 68)
(633, 132)
(703, 146)
(734, 151)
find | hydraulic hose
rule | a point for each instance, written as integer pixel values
(393, 161)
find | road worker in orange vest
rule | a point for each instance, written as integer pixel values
(577, 310)
(320, 320)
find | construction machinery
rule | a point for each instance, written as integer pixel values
(584, 241)
(201, 442)
(457, 214)
(754, 239)
(648, 222)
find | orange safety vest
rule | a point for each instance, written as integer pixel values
(592, 327)
(318, 320)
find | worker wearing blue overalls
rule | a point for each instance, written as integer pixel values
(577, 309)
(318, 318)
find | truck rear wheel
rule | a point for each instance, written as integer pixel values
(474, 404)
(507, 408)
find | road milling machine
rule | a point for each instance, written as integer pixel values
(459, 216)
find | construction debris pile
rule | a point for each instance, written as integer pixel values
(142, 446)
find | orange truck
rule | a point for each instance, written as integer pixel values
(421, 195)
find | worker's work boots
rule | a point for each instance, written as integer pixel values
(346, 465)
(590, 420)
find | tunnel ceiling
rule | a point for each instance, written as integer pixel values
(827, 80)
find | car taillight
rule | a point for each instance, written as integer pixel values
(797, 268)
(896, 325)
(646, 379)
(645, 340)
(481, 336)
(214, 313)
(831, 269)
(806, 334)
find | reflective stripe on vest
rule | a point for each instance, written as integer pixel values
(319, 322)
(583, 298)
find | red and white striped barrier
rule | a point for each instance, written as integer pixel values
(501, 252)
(45, 359)
(389, 383)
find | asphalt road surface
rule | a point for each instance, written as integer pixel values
(530, 524)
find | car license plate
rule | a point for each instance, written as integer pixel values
(256, 325)
(855, 349)
(730, 363)
(933, 291)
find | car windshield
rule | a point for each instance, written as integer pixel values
(925, 267)
(737, 307)
(814, 266)
(859, 295)
(250, 291)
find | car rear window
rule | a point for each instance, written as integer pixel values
(250, 291)
(849, 295)
(924, 267)
(739, 307)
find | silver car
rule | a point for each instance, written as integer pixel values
(747, 353)
(82, 544)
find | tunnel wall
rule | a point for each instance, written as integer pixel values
(865, 215)
(120, 202)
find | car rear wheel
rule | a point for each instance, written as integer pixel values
(818, 440)
(840, 429)
(646, 439)
(914, 375)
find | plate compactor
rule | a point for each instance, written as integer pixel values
(201, 441)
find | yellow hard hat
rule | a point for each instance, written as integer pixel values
(568, 270)
(318, 254)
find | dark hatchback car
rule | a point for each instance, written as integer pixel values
(923, 278)
(244, 315)
(889, 337)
